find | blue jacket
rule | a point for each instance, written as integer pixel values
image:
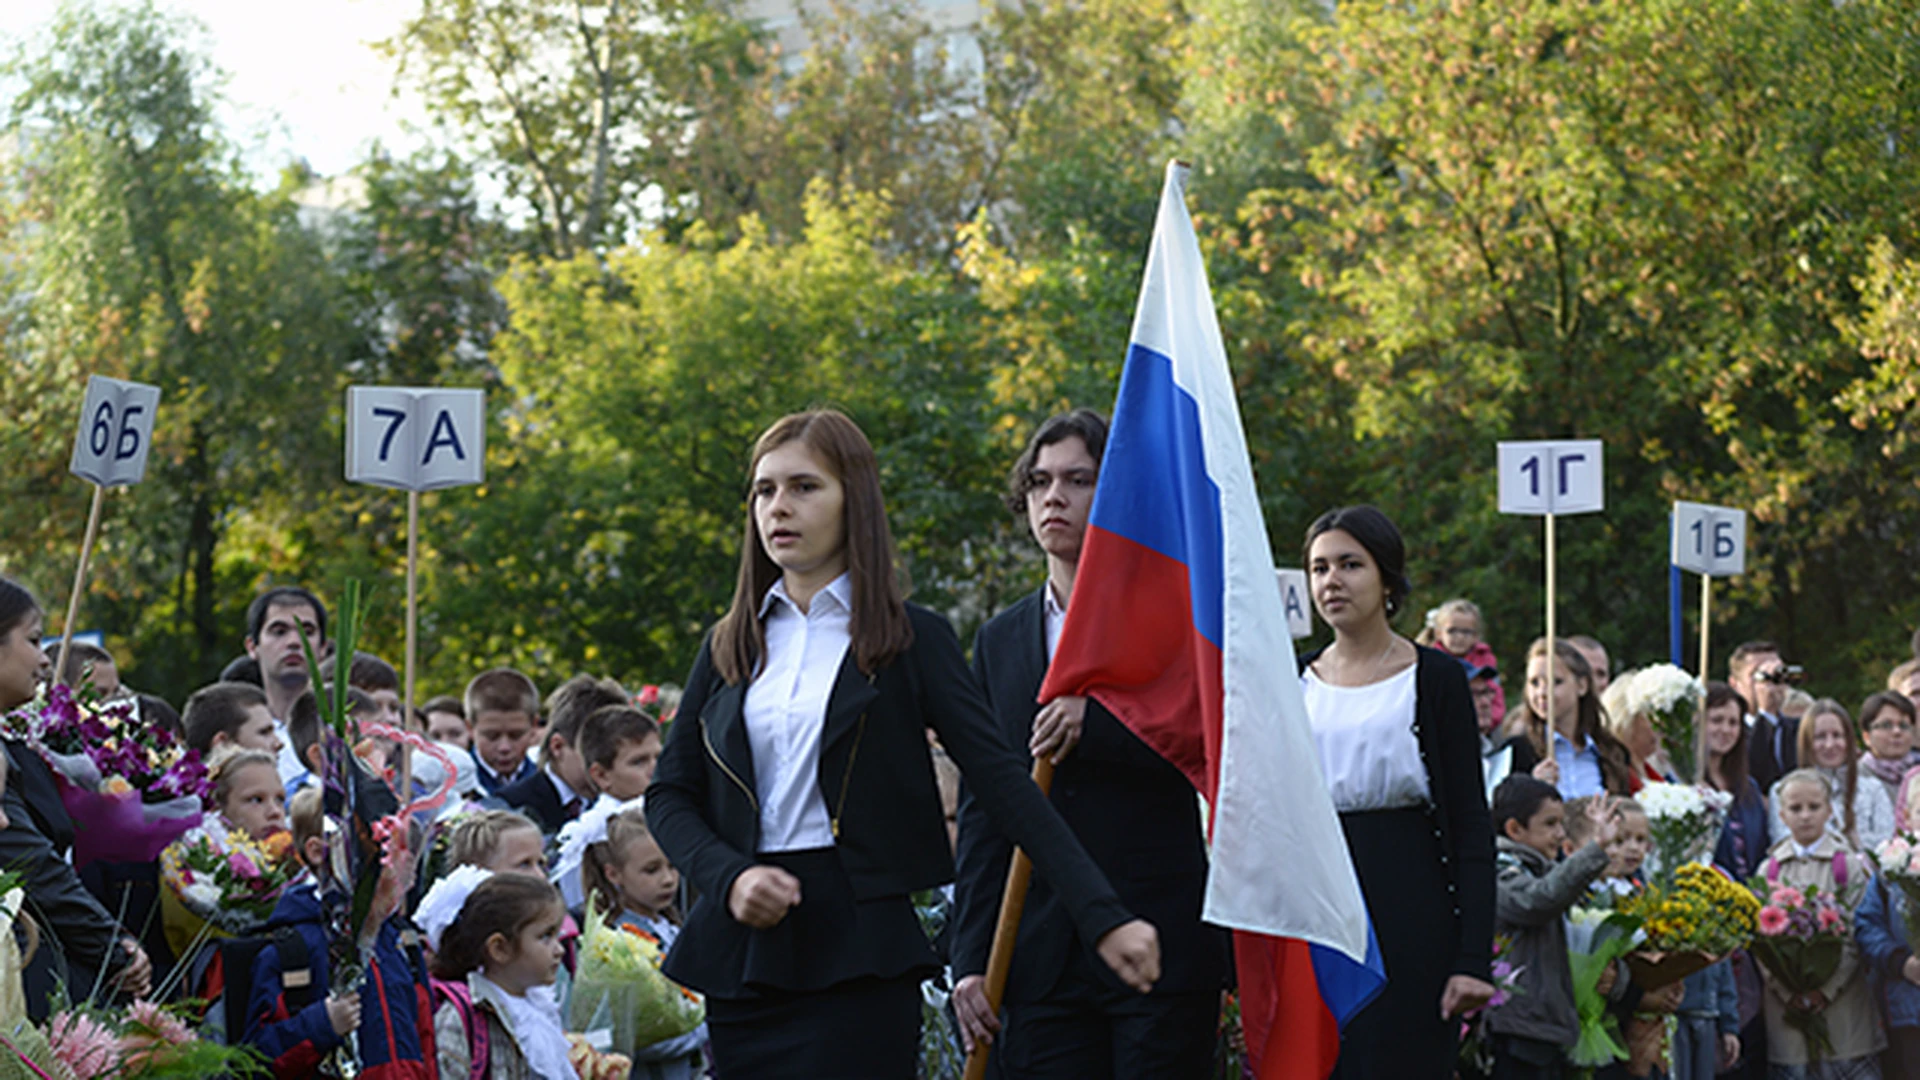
(396, 1007)
(1880, 925)
(1747, 818)
(1711, 992)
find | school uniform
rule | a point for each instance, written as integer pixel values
(1067, 1015)
(494, 783)
(824, 771)
(543, 796)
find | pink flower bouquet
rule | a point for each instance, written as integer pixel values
(1899, 862)
(1800, 938)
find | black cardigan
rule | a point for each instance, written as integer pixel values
(876, 776)
(1448, 729)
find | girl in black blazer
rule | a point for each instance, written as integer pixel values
(1400, 746)
(796, 791)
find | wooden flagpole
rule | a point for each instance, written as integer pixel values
(1012, 902)
(1706, 624)
(1553, 655)
(79, 583)
(413, 617)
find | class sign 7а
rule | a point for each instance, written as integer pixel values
(1710, 540)
(1552, 476)
(415, 438)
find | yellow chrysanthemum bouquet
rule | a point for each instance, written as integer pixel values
(1690, 919)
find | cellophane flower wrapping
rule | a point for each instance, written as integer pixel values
(619, 987)
(1685, 821)
(1898, 859)
(131, 788)
(25, 1053)
(1800, 937)
(1669, 698)
(221, 883)
(1598, 935)
(1691, 919)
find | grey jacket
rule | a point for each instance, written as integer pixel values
(1531, 900)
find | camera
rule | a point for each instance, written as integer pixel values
(1790, 674)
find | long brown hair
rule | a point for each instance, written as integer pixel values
(1734, 766)
(879, 624)
(1616, 769)
(1850, 772)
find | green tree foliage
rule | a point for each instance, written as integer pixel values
(141, 254)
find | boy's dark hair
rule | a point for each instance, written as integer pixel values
(1380, 536)
(569, 706)
(241, 669)
(502, 690)
(503, 904)
(303, 727)
(82, 656)
(284, 596)
(604, 732)
(1084, 424)
(368, 672)
(445, 703)
(1518, 798)
(220, 709)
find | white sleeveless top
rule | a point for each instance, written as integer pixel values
(1369, 754)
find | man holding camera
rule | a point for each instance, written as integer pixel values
(1756, 670)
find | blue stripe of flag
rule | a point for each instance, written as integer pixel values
(1154, 488)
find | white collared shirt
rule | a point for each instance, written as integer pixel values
(1806, 851)
(568, 796)
(786, 712)
(1580, 772)
(1056, 621)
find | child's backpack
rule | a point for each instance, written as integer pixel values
(1772, 871)
(228, 976)
(454, 992)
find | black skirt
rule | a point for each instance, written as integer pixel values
(1401, 1035)
(828, 939)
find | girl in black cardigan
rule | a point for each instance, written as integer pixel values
(796, 792)
(1399, 745)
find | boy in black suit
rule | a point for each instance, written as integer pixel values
(561, 789)
(1136, 815)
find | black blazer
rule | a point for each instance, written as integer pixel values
(1449, 732)
(535, 797)
(876, 775)
(1132, 810)
(1765, 766)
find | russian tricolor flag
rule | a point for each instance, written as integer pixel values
(1176, 627)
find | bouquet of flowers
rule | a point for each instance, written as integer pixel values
(1669, 698)
(142, 1042)
(591, 1064)
(1690, 920)
(1899, 862)
(1802, 934)
(131, 788)
(222, 883)
(1685, 821)
(619, 987)
(1598, 935)
(1476, 1047)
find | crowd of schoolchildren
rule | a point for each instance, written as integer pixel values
(1813, 790)
(470, 978)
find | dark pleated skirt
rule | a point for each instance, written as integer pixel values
(1400, 1035)
(832, 991)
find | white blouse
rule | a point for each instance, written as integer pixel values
(786, 712)
(1369, 754)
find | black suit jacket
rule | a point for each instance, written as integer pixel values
(877, 778)
(1763, 764)
(35, 842)
(535, 797)
(1132, 810)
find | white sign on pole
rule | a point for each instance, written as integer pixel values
(416, 438)
(116, 431)
(1557, 476)
(1710, 540)
(1296, 602)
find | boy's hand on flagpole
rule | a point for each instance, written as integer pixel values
(1057, 726)
(761, 895)
(1132, 950)
(1463, 994)
(978, 1024)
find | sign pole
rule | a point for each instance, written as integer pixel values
(79, 583)
(413, 618)
(1706, 622)
(1553, 658)
(1012, 903)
